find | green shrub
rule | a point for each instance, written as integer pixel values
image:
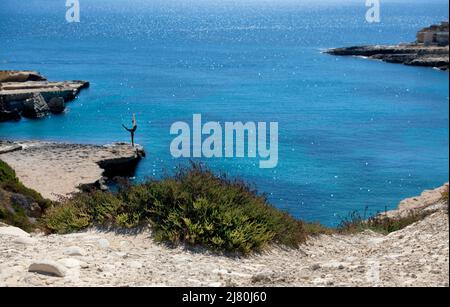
(194, 207)
(7, 174)
(67, 217)
(355, 223)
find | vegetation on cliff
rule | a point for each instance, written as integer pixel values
(19, 206)
(194, 207)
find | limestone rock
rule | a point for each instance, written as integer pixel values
(410, 54)
(48, 267)
(76, 165)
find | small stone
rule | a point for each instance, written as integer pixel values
(215, 284)
(261, 277)
(435, 272)
(74, 251)
(103, 243)
(48, 267)
(315, 267)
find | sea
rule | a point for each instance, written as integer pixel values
(354, 134)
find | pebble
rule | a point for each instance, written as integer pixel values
(74, 251)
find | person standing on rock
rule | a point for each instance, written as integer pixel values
(132, 130)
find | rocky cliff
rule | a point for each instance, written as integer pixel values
(29, 94)
(411, 54)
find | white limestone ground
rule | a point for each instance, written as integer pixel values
(415, 256)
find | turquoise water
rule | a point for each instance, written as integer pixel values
(353, 132)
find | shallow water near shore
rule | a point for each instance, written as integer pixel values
(353, 132)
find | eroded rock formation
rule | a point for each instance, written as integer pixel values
(29, 94)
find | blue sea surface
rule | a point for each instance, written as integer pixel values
(354, 133)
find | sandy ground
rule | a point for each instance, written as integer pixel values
(415, 256)
(55, 169)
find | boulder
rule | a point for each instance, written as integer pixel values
(14, 105)
(56, 105)
(48, 267)
(35, 107)
(9, 116)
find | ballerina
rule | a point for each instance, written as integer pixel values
(132, 130)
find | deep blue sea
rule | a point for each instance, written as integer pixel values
(353, 132)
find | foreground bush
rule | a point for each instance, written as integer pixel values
(194, 207)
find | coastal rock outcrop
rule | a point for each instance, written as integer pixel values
(58, 170)
(412, 54)
(428, 202)
(23, 93)
(431, 49)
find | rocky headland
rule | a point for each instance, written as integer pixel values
(29, 94)
(58, 170)
(417, 255)
(431, 49)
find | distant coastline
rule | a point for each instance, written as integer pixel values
(431, 49)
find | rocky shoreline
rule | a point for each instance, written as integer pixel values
(410, 54)
(431, 49)
(58, 170)
(417, 255)
(29, 94)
